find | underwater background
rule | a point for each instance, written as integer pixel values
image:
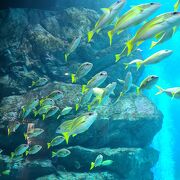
(140, 134)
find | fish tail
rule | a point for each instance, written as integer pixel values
(53, 154)
(126, 65)
(138, 65)
(12, 154)
(153, 44)
(117, 57)
(9, 131)
(90, 35)
(130, 45)
(66, 57)
(6, 172)
(110, 35)
(161, 90)
(77, 107)
(25, 136)
(73, 78)
(48, 145)
(138, 90)
(92, 165)
(33, 83)
(27, 152)
(66, 137)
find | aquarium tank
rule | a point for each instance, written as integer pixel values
(89, 90)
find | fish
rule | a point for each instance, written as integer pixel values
(84, 99)
(166, 36)
(42, 110)
(77, 125)
(47, 102)
(136, 15)
(72, 47)
(40, 82)
(13, 126)
(82, 71)
(34, 149)
(154, 28)
(107, 17)
(147, 83)
(61, 153)
(155, 58)
(127, 83)
(66, 110)
(98, 162)
(176, 5)
(95, 81)
(56, 141)
(122, 82)
(133, 63)
(33, 133)
(55, 95)
(51, 112)
(106, 163)
(27, 109)
(172, 92)
(16, 159)
(6, 172)
(21, 149)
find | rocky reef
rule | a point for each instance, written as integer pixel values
(32, 45)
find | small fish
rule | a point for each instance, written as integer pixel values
(172, 92)
(176, 5)
(42, 110)
(136, 15)
(147, 83)
(132, 63)
(51, 112)
(66, 111)
(33, 133)
(107, 17)
(107, 163)
(155, 58)
(95, 81)
(154, 28)
(82, 71)
(98, 162)
(13, 126)
(20, 150)
(77, 125)
(72, 47)
(6, 172)
(127, 83)
(47, 102)
(34, 149)
(61, 153)
(30, 107)
(56, 141)
(122, 82)
(55, 95)
(40, 82)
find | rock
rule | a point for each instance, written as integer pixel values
(127, 162)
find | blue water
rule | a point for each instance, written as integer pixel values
(167, 140)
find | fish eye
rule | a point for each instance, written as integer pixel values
(152, 3)
(174, 13)
(90, 114)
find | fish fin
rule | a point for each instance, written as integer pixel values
(77, 107)
(6, 172)
(126, 65)
(48, 145)
(118, 57)
(12, 154)
(129, 45)
(139, 43)
(92, 165)
(66, 57)
(121, 94)
(27, 152)
(119, 32)
(73, 78)
(161, 90)
(159, 35)
(33, 83)
(35, 113)
(84, 89)
(25, 136)
(74, 135)
(90, 35)
(138, 91)
(100, 99)
(176, 6)
(89, 107)
(43, 117)
(174, 29)
(153, 44)
(105, 10)
(53, 154)
(41, 101)
(66, 136)
(97, 31)
(110, 35)
(23, 109)
(59, 116)
(9, 131)
(138, 65)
